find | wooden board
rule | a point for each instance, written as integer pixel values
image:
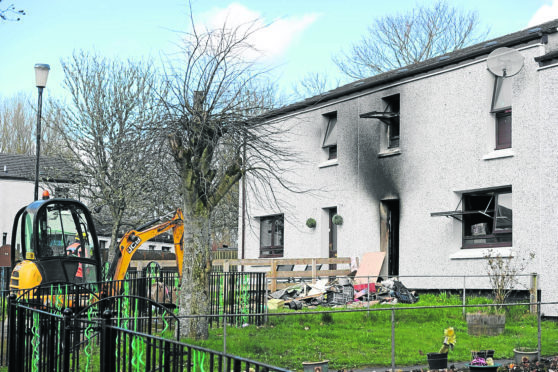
(370, 267)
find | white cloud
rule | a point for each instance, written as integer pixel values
(545, 13)
(272, 38)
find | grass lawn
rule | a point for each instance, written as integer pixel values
(362, 338)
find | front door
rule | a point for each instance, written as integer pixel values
(389, 211)
(332, 237)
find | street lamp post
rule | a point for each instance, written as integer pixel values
(41, 76)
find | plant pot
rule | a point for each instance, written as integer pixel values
(437, 360)
(482, 324)
(482, 354)
(315, 366)
(523, 353)
(493, 368)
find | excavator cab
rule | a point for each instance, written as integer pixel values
(54, 241)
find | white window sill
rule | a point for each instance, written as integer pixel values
(498, 154)
(329, 163)
(389, 152)
(473, 253)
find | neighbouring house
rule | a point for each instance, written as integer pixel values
(433, 164)
(17, 184)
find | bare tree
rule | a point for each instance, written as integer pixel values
(10, 13)
(212, 101)
(104, 128)
(399, 40)
(18, 121)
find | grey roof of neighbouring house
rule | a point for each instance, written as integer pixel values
(528, 35)
(22, 167)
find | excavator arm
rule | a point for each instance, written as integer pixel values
(133, 239)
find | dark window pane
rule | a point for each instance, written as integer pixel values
(503, 130)
(489, 223)
(271, 236)
(332, 152)
(393, 132)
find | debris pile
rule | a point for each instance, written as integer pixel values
(341, 292)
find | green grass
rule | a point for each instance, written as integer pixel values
(363, 338)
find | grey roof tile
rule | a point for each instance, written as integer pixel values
(22, 167)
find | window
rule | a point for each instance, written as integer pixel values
(501, 107)
(271, 236)
(330, 136)
(165, 248)
(487, 219)
(103, 244)
(151, 247)
(503, 130)
(393, 107)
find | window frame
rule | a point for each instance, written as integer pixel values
(393, 105)
(479, 215)
(502, 111)
(501, 116)
(331, 129)
(274, 249)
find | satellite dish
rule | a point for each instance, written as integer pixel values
(505, 62)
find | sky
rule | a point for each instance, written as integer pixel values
(302, 36)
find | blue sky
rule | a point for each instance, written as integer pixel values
(304, 36)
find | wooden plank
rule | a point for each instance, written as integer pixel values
(283, 261)
(370, 267)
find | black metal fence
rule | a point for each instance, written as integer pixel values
(144, 298)
(237, 293)
(94, 339)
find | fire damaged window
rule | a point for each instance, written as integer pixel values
(271, 236)
(487, 219)
(330, 136)
(501, 107)
(390, 117)
(393, 107)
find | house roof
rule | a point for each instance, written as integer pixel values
(529, 35)
(22, 167)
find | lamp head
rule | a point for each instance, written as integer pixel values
(41, 74)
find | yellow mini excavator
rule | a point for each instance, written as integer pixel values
(54, 241)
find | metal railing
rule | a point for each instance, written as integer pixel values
(43, 341)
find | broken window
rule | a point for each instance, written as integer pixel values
(390, 116)
(501, 107)
(330, 136)
(271, 236)
(487, 219)
(393, 122)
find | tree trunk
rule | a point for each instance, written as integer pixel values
(116, 222)
(194, 291)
